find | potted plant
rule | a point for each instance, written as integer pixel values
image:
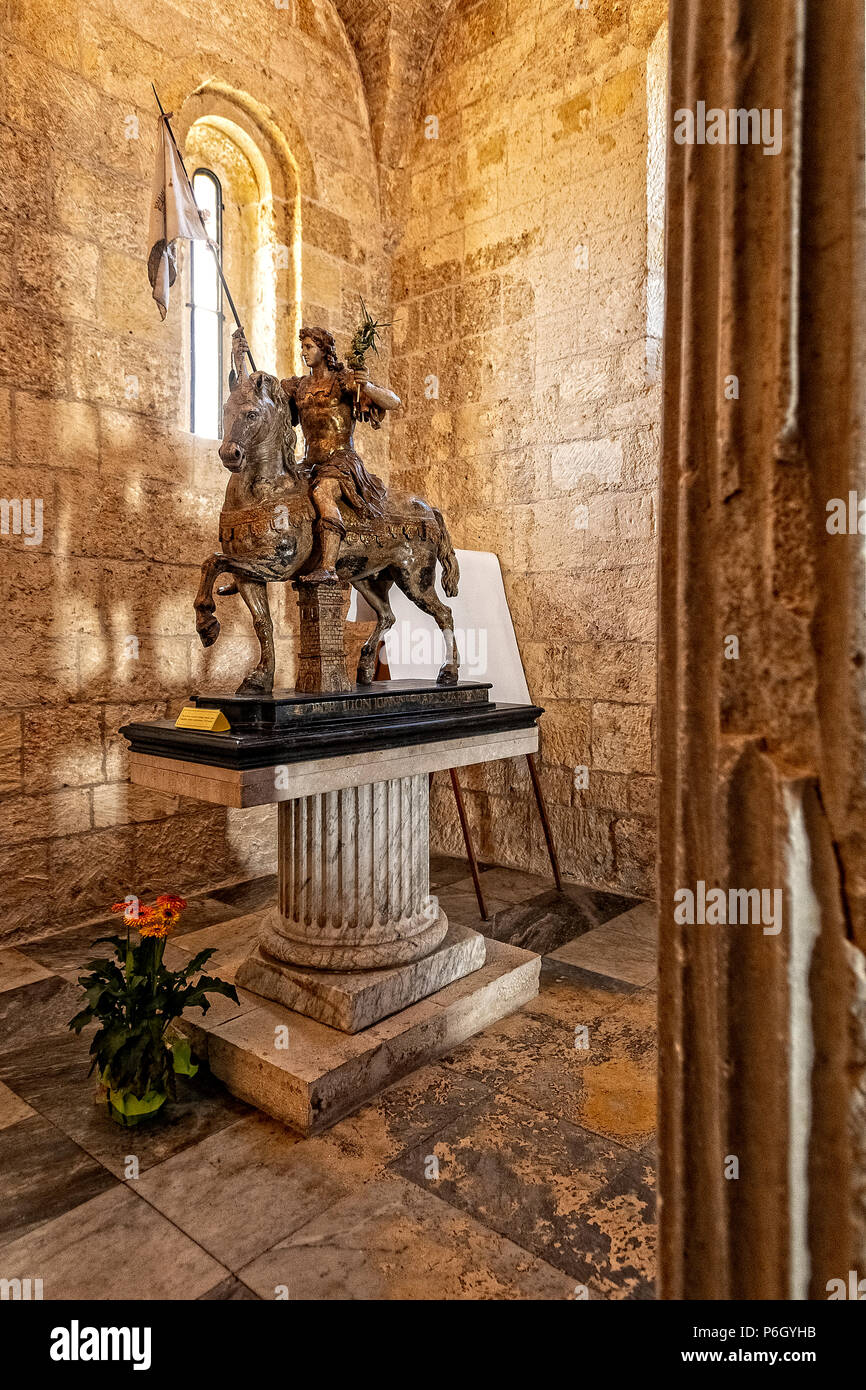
(135, 999)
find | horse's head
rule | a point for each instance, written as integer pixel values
(257, 424)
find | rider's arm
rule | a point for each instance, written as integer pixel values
(378, 395)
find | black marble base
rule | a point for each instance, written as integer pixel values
(287, 709)
(292, 727)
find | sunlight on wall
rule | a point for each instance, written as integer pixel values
(656, 100)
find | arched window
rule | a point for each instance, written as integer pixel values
(206, 314)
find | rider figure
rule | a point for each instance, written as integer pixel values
(327, 403)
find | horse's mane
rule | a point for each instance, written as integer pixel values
(261, 383)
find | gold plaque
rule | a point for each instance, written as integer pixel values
(211, 721)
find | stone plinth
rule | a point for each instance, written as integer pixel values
(355, 999)
(322, 648)
(309, 1076)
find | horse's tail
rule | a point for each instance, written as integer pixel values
(446, 557)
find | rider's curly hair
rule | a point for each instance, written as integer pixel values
(325, 341)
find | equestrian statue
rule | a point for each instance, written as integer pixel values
(323, 519)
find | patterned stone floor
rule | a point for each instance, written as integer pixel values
(519, 1166)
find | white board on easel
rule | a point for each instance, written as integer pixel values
(482, 626)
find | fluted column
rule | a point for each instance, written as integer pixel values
(354, 888)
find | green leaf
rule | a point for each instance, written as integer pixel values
(182, 1057)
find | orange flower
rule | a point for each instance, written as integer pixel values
(153, 922)
(129, 909)
(171, 904)
(152, 919)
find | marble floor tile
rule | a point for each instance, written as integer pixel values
(31, 1012)
(607, 1086)
(114, 1246)
(462, 906)
(395, 1241)
(240, 1191)
(408, 1111)
(549, 919)
(203, 912)
(47, 1066)
(60, 1089)
(519, 1172)
(17, 969)
(445, 869)
(42, 1175)
(232, 940)
(505, 885)
(569, 995)
(612, 950)
(67, 952)
(641, 921)
(615, 1233)
(230, 1290)
(12, 1107)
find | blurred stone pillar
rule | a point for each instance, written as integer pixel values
(762, 751)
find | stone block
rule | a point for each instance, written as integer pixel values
(55, 269)
(622, 737)
(26, 889)
(55, 434)
(352, 1001)
(117, 803)
(565, 733)
(33, 349)
(10, 753)
(308, 1075)
(88, 875)
(24, 818)
(62, 747)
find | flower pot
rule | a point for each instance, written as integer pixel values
(127, 1109)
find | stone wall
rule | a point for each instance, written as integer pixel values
(98, 624)
(531, 413)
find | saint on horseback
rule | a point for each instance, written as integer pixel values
(325, 518)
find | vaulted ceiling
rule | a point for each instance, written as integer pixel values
(393, 40)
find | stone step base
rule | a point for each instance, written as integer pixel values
(308, 1076)
(353, 1000)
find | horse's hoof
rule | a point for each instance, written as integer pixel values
(208, 630)
(447, 677)
(255, 685)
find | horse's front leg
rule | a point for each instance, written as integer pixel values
(206, 622)
(259, 681)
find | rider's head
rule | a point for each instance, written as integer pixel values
(318, 344)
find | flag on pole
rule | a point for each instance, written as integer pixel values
(173, 214)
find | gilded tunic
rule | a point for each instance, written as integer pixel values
(326, 408)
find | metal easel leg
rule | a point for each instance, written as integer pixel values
(545, 823)
(467, 840)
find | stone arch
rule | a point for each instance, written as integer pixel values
(266, 171)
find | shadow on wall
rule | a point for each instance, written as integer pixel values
(99, 619)
(102, 631)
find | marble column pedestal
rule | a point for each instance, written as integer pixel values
(353, 978)
(356, 935)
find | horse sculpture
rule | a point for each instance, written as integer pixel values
(267, 535)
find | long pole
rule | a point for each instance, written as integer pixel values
(210, 243)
